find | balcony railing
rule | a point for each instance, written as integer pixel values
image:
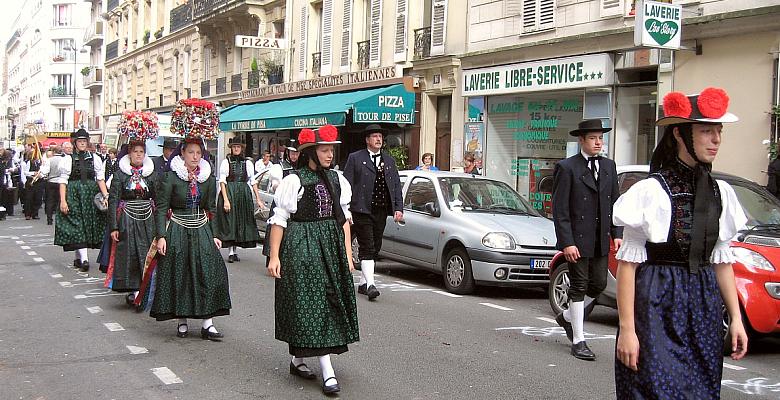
(94, 34)
(202, 8)
(181, 16)
(112, 4)
(422, 43)
(60, 91)
(205, 88)
(363, 54)
(95, 77)
(112, 50)
(235, 83)
(62, 127)
(94, 123)
(316, 63)
(221, 85)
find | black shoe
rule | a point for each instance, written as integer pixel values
(372, 292)
(566, 325)
(330, 389)
(49, 222)
(582, 351)
(362, 289)
(84, 266)
(179, 332)
(235, 258)
(77, 264)
(231, 258)
(130, 299)
(302, 370)
(36, 217)
(213, 336)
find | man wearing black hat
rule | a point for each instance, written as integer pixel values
(375, 196)
(585, 188)
(169, 145)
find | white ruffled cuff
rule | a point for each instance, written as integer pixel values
(347, 213)
(280, 217)
(633, 248)
(722, 254)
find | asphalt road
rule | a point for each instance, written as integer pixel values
(63, 336)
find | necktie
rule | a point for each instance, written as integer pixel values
(375, 158)
(593, 169)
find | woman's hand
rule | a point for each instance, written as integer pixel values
(218, 243)
(628, 349)
(115, 236)
(64, 207)
(161, 246)
(274, 267)
(739, 339)
(351, 265)
(226, 207)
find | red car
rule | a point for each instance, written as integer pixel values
(757, 250)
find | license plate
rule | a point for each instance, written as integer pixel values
(540, 264)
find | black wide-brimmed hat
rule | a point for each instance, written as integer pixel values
(374, 128)
(169, 143)
(291, 145)
(80, 134)
(589, 125)
(708, 107)
(236, 141)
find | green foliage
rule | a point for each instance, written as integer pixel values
(253, 66)
(147, 36)
(775, 110)
(159, 33)
(85, 71)
(401, 157)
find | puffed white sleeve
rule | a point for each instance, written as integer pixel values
(65, 165)
(732, 220)
(45, 167)
(100, 168)
(250, 173)
(275, 175)
(346, 196)
(286, 198)
(645, 213)
(224, 171)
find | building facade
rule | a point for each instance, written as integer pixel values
(45, 55)
(93, 73)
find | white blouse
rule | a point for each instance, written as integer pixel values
(66, 163)
(224, 171)
(290, 191)
(645, 212)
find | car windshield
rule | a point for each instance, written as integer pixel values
(761, 208)
(469, 194)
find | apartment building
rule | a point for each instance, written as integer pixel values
(93, 73)
(44, 56)
(569, 60)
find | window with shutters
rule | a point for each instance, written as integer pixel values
(438, 26)
(610, 8)
(304, 30)
(346, 36)
(206, 63)
(399, 46)
(326, 46)
(375, 37)
(538, 15)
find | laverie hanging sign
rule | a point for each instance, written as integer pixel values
(658, 25)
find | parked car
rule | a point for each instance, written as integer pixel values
(470, 229)
(757, 250)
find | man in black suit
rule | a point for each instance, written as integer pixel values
(375, 196)
(585, 188)
(169, 145)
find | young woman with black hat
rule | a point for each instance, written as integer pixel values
(80, 224)
(235, 222)
(675, 275)
(315, 307)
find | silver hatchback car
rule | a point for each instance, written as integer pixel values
(473, 230)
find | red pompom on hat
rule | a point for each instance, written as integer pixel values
(713, 102)
(306, 136)
(676, 104)
(328, 133)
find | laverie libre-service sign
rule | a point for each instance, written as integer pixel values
(658, 25)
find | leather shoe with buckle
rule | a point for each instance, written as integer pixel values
(330, 389)
(372, 292)
(582, 351)
(566, 325)
(213, 336)
(230, 259)
(362, 289)
(84, 266)
(302, 370)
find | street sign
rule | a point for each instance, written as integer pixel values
(658, 25)
(260, 42)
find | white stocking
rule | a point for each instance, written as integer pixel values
(577, 321)
(208, 323)
(297, 361)
(327, 370)
(182, 321)
(83, 255)
(232, 250)
(367, 269)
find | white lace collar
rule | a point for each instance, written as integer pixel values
(177, 165)
(148, 168)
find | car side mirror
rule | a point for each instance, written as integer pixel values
(431, 208)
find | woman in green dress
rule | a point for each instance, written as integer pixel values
(235, 219)
(80, 224)
(314, 303)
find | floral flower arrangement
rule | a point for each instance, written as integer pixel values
(139, 125)
(195, 119)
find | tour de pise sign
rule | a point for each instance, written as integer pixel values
(658, 25)
(259, 42)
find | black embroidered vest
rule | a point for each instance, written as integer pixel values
(317, 204)
(381, 195)
(82, 167)
(237, 172)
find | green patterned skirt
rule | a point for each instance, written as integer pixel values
(84, 225)
(191, 279)
(136, 233)
(238, 227)
(315, 297)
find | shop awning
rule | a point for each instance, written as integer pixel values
(389, 104)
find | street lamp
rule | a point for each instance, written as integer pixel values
(73, 82)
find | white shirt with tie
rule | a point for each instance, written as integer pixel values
(597, 164)
(377, 160)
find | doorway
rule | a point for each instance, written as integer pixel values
(443, 132)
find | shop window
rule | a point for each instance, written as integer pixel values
(421, 192)
(628, 179)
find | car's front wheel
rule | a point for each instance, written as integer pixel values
(558, 291)
(458, 278)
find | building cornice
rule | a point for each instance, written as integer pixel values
(151, 46)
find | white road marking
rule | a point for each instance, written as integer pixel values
(413, 290)
(166, 375)
(38, 259)
(406, 283)
(24, 247)
(545, 319)
(15, 237)
(497, 307)
(448, 294)
(94, 310)
(19, 241)
(87, 296)
(734, 367)
(113, 326)
(551, 331)
(56, 276)
(137, 350)
(32, 253)
(65, 284)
